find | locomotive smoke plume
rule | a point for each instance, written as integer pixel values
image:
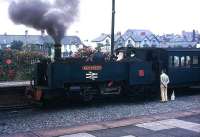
(54, 17)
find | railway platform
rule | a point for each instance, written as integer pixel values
(174, 124)
(10, 84)
(12, 93)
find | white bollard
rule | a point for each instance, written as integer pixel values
(173, 96)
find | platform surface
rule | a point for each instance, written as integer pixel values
(173, 124)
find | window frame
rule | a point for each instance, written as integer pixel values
(197, 61)
(182, 61)
(188, 61)
(176, 65)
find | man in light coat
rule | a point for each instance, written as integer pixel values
(164, 81)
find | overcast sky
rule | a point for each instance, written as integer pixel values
(159, 16)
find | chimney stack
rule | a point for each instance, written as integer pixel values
(57, 50)
(42, 33)
(26, 33)
(193, 36)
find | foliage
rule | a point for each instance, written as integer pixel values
(84, 52)
(88, 53)
(17, 65)
(99, 46)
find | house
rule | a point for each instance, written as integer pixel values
(70, 44)
(131, 38)
(191, 36)
(42, 43)
(172, 40)
(119, 41)
(140, 38)
(103, 42)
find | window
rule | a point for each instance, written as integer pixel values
(195, 60)
(188, 61)
(176, 61)
(182, 61)
(170, 61)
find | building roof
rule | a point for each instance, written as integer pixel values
(152, 36)
(101, 38)
(38, 39)
(137, 35)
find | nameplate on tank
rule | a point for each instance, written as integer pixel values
(92, 67)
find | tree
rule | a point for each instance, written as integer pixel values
(99, 46)
(16, 45)
(84, 52)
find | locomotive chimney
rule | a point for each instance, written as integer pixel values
(57, 55)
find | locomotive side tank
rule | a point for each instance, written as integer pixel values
(78, 77)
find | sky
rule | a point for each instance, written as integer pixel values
(159, 16)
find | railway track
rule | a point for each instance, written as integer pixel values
(16, 107)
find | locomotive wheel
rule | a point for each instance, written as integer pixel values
(86, 95)
(87, 98)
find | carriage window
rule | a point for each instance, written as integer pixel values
(182, 61)
(170, 61)
(176, 61)
(188, 60)
(195, 60)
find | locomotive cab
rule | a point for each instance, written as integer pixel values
(145, 65)
(125, 53)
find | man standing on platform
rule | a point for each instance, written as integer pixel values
(164, 81)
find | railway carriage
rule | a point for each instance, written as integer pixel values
(184, 67)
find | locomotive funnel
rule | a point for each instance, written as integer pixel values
(57, 55)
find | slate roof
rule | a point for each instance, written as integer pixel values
(38, 39)
(101, 38)
(137, 35)
(152, 36)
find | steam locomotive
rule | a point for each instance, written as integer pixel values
(139, 69)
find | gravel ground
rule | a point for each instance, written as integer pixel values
(26, 120)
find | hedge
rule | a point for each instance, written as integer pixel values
(17, 65)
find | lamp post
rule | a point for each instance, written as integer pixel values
(113, 29)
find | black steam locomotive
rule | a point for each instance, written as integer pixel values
(138, 69)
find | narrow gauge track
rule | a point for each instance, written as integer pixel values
(16, 107)
(142, 98)
(63, 103)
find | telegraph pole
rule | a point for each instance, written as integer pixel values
(113, 29)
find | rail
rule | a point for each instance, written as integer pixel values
(16, 107)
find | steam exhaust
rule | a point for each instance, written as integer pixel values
(54, 17)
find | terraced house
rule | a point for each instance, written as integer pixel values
(186, 39)
(131, 38)
(41, 43)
